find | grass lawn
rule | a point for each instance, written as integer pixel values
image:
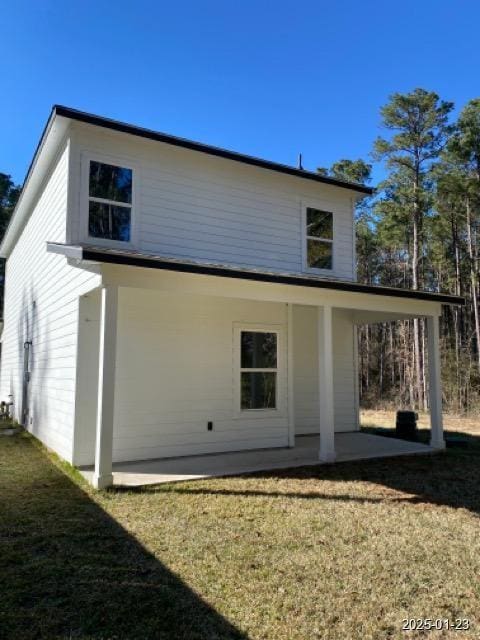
(343, 552)
(452, 423)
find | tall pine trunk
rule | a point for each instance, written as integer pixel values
(418, 385)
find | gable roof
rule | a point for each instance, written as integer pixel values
(57, 126)
(123, 127)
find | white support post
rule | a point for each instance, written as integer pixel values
(325, 384)
(103, 476)
(356, 374)
(291, 395)
(435, 383)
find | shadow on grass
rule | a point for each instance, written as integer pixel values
(454, 439)
(70, 571)
(450, 478)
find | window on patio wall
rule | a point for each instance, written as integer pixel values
(258, 370)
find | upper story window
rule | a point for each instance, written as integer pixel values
(109, 202)
(319, 239)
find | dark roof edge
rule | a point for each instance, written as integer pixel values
(97, 255)
(46, 129)
(116, 125)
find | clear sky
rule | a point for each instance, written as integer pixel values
(269, 79)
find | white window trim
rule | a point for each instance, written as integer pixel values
(305, 238)
(280, 400)
(85, 199)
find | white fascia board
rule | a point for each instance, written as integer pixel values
(187, 283)
(70, 251)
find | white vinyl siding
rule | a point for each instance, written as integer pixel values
(175, 374)
(194, 206)
(176, 371)
(305, 345)
(41, 305)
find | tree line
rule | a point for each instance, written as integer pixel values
(421, 231)
(9, 194)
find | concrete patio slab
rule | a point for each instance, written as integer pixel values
(349, 446)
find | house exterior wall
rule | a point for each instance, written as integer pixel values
(186, 205)
(41, 305)
(305, 350)
(87, 378)
(176, 370)
(194, 206)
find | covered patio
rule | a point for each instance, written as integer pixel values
(201, 306)
(348, 447)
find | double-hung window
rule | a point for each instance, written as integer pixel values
(258, 369)
(319, 238)
(109, 202)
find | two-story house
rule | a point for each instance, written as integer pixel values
(165, 298)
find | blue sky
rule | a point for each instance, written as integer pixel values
(270, 79)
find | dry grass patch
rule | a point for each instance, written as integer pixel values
(341, 552)
(386, 419)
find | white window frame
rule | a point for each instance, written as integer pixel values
(85, 199)
(280, 400)
(305, 238)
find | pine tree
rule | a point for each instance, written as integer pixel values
(9, 194)
(463, 151)
(420, 128)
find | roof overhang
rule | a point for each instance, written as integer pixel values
(123, 127)
(56, 128)
(94, 254)
(54, 132)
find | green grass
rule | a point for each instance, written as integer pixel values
(344, 552)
